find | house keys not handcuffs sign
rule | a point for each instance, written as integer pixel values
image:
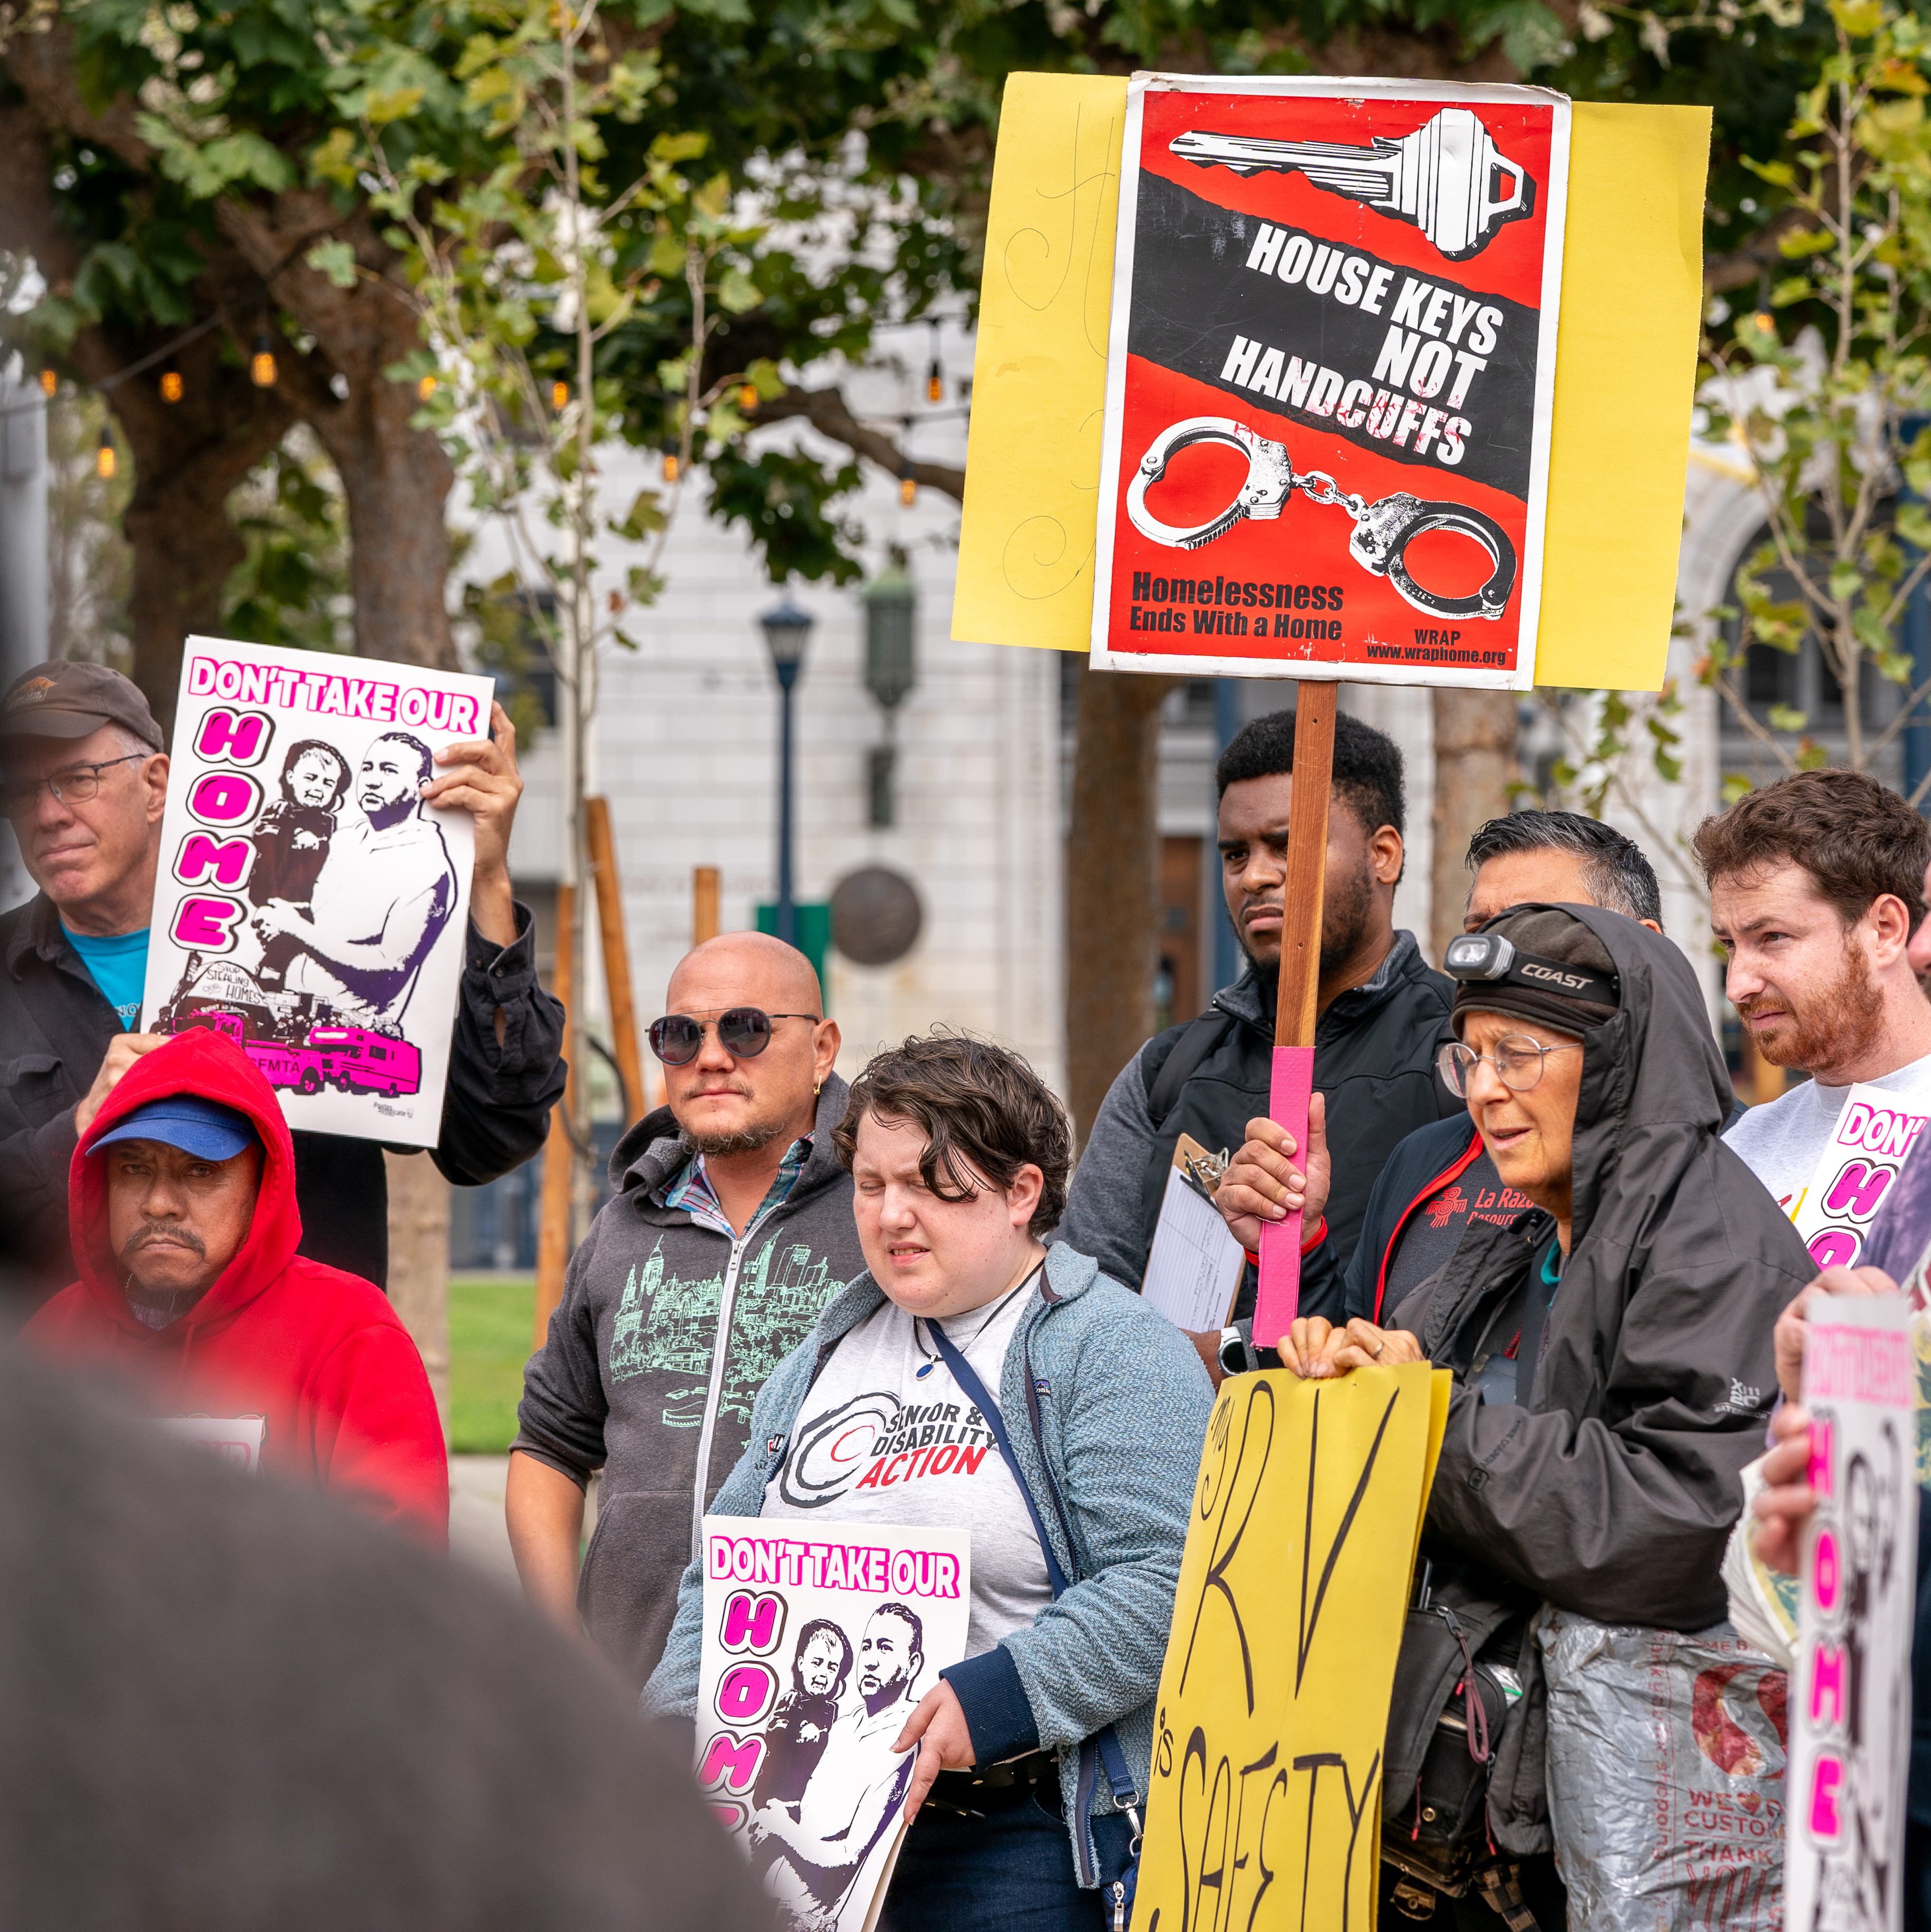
(1346, 292)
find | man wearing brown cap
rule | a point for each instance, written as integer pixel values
(83, 782)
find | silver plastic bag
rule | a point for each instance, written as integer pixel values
(1666, 1776)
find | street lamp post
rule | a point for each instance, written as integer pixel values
(788, 630)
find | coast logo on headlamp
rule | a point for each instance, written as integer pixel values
(1570, 983)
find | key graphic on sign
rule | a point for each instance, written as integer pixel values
(1444, 178)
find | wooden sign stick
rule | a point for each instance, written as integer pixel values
(1293, 1082)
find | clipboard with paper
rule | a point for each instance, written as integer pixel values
(1193, 1274)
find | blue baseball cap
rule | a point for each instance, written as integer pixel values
(203, 1128)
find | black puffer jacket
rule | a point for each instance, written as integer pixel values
(1613, 1493)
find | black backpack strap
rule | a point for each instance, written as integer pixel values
(1204, 1034)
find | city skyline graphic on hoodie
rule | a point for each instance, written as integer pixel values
(667, 1324)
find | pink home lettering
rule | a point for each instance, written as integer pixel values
(1826, 1786)
(1821, 1472)
(1860, 1186)
(746, 1692)
(1834, 1247)
(1826, 1572)
(751, 1623)
(233, 737)
(224, 798)
(203, 855)
(205, 924)
(1826, 1687)
(730, 1764)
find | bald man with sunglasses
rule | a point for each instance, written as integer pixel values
(730, 1228)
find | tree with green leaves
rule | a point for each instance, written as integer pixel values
(208, 162)
(1820, 383)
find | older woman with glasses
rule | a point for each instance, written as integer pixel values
(1612, 1347)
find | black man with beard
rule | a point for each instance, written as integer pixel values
(1383, 1015)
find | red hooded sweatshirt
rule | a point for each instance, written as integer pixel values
(319, 1354)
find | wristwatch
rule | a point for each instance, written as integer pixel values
(1233, 1352)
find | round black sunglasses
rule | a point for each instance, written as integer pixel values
(743, 1032)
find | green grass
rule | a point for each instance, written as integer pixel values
(489, 1318)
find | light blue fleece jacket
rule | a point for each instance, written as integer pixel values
(1110, 1446)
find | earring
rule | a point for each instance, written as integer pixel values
(817, 1088)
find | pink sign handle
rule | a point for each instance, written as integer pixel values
(1279, 1298)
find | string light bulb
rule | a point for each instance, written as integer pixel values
(49, 383)
(1765, 321)
(261, 363)
(105, 460)
(935, 374)
(425, 388)
(171, 384)
(559, 396)
(908, 484)
(747, 396)
(672, 464)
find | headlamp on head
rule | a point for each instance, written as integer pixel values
(1489, 957)
(1477, 955)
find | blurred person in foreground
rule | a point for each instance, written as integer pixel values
(1382, 1012)
(191, 1288)
(231, 1707)
(1441, 1178)
(1816, 889)
(83, 782)
(1611, 1351)
(728, 1230)
(959, 1154)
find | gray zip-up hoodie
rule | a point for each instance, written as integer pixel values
(665, 1334)
(1106, 1406)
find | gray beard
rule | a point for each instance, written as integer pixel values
(748, 1140)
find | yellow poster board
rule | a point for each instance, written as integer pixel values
(1264, 1804)
(1625, 373)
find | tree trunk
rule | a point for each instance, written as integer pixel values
(189, 456)
(419, 1264)
(396, 480)
(1474, 765)
(1112, 882)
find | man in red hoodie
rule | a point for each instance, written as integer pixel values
(182, 1197)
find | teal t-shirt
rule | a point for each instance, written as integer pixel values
(119, 965)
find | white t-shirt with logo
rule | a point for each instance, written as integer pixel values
(1781, 1142)
(878, 1441)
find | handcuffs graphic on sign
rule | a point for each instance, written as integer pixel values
(1383, 531)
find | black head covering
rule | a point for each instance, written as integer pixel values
(1542, 934)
